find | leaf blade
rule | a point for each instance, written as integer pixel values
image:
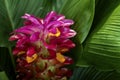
(82, 12)
(3, 76)
(103, 45)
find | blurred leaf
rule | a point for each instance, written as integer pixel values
(11, 12)
(57, 4)
(91, 73)
(102, 48)
(3, 76)
(82, 12)
(6, 63)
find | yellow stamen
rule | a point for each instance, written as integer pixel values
(57, 34)
(60, 57)
(32, 58)
(22, 52)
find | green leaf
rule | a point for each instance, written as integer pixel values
(102, 48)
(91, 73)
(103, 10)
(57, 4)
(6, 63)
(3, 76)
(11, 12)
(82, 12)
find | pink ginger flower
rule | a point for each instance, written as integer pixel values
(40, 47)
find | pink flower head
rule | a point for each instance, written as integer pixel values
(40, 46)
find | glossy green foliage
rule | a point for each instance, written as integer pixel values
(102, 47)
(91, 73)
(82, 12)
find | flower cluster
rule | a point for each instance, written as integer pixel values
(40, 47)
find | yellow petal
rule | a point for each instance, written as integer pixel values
(60, 57)
(64, 50)
(32, 58)
(22, 52)
(57, 34)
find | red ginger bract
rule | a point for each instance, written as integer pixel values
(40, 46)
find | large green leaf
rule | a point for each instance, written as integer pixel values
(82, 12)
(91, 73)
(12, 10)
(103, 10)
(57, 4)
(102, 48)
(3, 76)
